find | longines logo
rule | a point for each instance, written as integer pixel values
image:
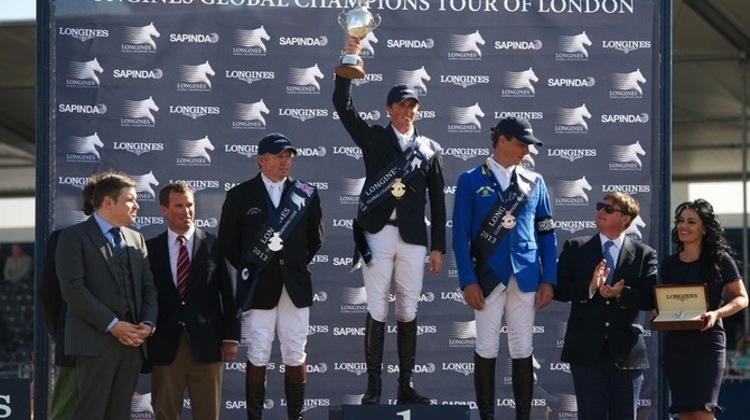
(627, 85)
(463, 334)
(466, 153)
(630, 189)
(194, 152)
(373, 115)
(641, 118)
(84, 73)
(464, 368)
(139, 113)
(250, 115)
(73, 181)
(465, 119)
(455, 296)
(414, 79)
(199, 184)
(367, 50)
(144, 186)
(571, 193)
(303, 41)
(344, 223)
(369, 77)
(209, 38)
(248, 150)
(571, 82)
(626, 157)
(304, 81)
(155, 74)
(573, 47)
(321, 186)
(351, 367)
(143, 221)
(571, 154)
(317, 329)
(574, 226)
(195, 78)
(351, 190)
(464, 80)
(559, 366)
(250, 42)
(194, 111)
(354, 298)
(573, 120)
(626, 46)
(303, 114)
(250, 76)
(529, 115)
(137, 148)
(140, 39)
(84, 149)
(466, 46)
(351, 151)
(534, 45)
(83, 34)
(518, 84)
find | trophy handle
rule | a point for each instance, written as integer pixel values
(342, 20)
(376, 22)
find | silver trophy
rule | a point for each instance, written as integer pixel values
(357, 23)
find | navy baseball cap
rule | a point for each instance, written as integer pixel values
(274, 144)
(400, 92)
(519, 128)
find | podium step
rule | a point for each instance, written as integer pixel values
(398, 412)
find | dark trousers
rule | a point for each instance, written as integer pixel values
(604, 392)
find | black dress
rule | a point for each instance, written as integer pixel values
(695, 360)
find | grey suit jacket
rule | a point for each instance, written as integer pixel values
(86, 269)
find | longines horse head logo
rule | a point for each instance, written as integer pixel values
(467, 43)
(366, 44)
(528, 161)
(354, 295)
(464, 330)
(306, 76)
(196, 148)
(140, 109)
(413, 78)
(252, 38)
(467, 115)
(142, 35)
(628, 81)
(521, 79)
(575, 116)
(575, 43)
(633, 229)
(144, 182)
(298, 200)
(141, 403)
(252, 112)
(86, 70)
(197, 74)
(573, 189)
(86, 145)
(628, 153)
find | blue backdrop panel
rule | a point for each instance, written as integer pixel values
(184, 89)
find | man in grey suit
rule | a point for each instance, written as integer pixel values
(106, 281)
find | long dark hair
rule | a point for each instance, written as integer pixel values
(714, 244)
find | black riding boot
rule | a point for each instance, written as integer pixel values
(523, 386)
(374, 338)
(294, 389)
(407, 349)
(255, 390)
(484, 385)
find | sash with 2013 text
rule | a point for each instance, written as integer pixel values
(270, 239)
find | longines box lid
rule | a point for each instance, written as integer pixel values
(679, 306)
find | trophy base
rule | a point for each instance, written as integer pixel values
(352, 67)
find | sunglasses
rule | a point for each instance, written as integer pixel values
(608, 208)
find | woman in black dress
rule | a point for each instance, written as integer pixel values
(694, 360)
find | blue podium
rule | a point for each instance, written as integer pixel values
(399, 412)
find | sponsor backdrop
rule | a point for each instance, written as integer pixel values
(184, 89)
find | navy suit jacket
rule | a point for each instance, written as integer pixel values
(207, 312)
(598, 320)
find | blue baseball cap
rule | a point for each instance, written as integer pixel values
(274, 144)
(399, 93)
(519, 128)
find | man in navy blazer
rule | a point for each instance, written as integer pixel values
(198, 324)
(608, 278)
(269, 232)
(106, 281)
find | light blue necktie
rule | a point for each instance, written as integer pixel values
(610, 261)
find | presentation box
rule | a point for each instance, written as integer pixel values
(679, 306)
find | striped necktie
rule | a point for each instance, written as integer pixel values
(183, 266)
(118, 241)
